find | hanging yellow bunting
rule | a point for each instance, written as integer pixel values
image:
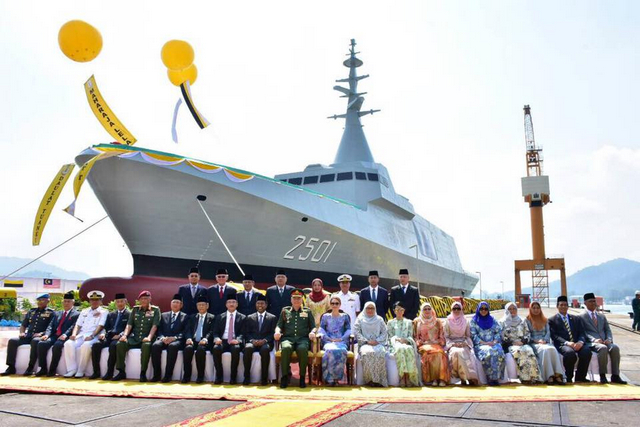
(49, 200)
(105, 116)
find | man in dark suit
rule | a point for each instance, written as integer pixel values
(259, 328)
(113, 329)
(191, 291)
(197, 338)
(247, 298)
(56, 335)
(228, 336)
(600, 340)
(379, 296)
(220, 292)
(170, 337)
(568, 337)
(407, 294)
(279, 295)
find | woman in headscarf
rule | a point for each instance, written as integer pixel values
(551, 368)
(371, 333)
(429, 336)
(515, 340)
(318, 300)
(403, 346)
(457, 334)
(486, 336)
(334, 331)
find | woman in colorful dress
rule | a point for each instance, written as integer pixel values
(371, 333)
(515, 340)
(551, 369)
(457, 334)
(429, 336)
(318, 300)
(486, 337)
(335, 328)
(403, 347)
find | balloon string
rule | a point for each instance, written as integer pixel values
(220, 237)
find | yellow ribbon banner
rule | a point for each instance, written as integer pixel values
(105, 116)
(49, 200)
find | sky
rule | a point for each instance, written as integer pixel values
(450, 77)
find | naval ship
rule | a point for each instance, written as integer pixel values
(325, 220)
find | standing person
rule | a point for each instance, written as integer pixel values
(429, 336)
(486, 336)
(635, 305)
(403, 347)
(170, 337)
(515, 339)
(34, 325)
(551, 370)
(375, 293)
(371, 333)
(228, 336)
(259, 329)
(334, 331)
(407, 294)
(248, 297)
(600, 340)
(567, 334)
(191, 291)
(197, 336)
(56, 335)
(318, 300)
(220, 292)
(297, 328)
(279, 295)
(113, 330)
(349, 301)
(141, 328)
(85, 333)
(459, 346)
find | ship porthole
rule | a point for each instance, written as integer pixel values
(305, 219)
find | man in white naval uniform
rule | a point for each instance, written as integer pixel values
(89, 325)
(350, 301)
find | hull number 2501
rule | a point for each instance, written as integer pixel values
(314, 250)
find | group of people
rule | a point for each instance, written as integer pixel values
(218, 319)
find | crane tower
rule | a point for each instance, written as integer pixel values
(535, 190)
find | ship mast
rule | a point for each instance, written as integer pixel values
(353, 146)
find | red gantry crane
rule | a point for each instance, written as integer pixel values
(535, 190)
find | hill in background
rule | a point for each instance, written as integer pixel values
(37, 269)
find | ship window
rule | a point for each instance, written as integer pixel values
(295, 181)
(373, 176)
(361, 176)
(345, 176)
(311, 179)
(283, 180)
(328, 178)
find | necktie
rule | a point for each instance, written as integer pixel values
(281, 290)
(199, 331)
(404, 289)
(260, 322)
(566, 325)
(193, 291)
(230, 335)
(59, 330)
(221, 292)
(595, 318)
(173, 318)
(373, 296)
(118, 316)
(248, 296)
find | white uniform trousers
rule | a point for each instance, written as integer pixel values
(85, 354)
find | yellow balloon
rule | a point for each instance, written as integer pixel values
(79, 41)
(178, 77)
(177, 54)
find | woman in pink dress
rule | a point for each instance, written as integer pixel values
(429, 337)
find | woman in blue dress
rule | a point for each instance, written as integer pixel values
(335, 329)
(486, 336)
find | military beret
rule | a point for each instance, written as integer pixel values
(374, 273)
(95, 295)
(403, 271)
(194, 270)
(589, 295)
(69, 295)
(222, 271)
(562, 298)
(177, 297)
(202, 298)
(121, 296)
(297, 293)
(144, 294)
(344, 278)
(248, 277)
(43, 296)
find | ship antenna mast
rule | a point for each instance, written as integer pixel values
(353, 146)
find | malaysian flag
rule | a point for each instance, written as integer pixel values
(51, 283)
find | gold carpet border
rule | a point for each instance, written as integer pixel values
(220, 414)
(321, 418)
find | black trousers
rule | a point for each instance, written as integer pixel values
(570, 356)
(224, 347)
(187, 355)
(265, 358)
(56, 353)
(96, 352)
(172, 356)
(12, 350)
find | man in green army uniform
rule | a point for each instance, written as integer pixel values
(139, 333)
(297, 327)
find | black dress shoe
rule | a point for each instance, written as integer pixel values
(264, 382)
(246, 381)
(218, 381)
(143, 377)
(302, 383)
(166, 380)
(108, 376)
(582, 381)
(28, 372)
(284, 381)
(10, 371)
(41, 373)
(51, 374)
(155, 379)
(233, 382)
(95, 376)
(185, 380)
(121, 376)
(603, 379)
(617, 380)
(200, 380)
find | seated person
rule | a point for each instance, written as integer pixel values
(371, 334)
(170, 337)
(551, 370)
(429, 336)
(459, 346)
(334, 331)
(403, 346)
(515, 340)
(197, 338)
(259, 329)
(109, 337)
(227, 337)
(56, 334)
(486, 334)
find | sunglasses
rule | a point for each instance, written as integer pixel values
(335, 303)
(456, 308)
(484, 309)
